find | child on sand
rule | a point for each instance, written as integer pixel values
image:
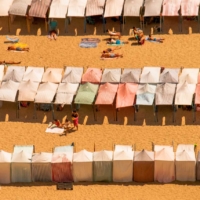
(75, 118)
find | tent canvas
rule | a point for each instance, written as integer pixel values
(62, 167)
(76, 8)
(106, 94)
(83, 166)
(132, 8)
(185, 166)
(184, 93)
(171, 7)
(130, 76)
(123, 166)
(1, 72)
(53, 75)
(8, 91)
(113, 8)
(169, 75)
(102, 165)
(5, 6)
(94, 7)
(152, 8)
(165, 94)
(72, 75)
(19, 7)
(189, 75)
(119, 147)
(41, 167)
(27, 91)
(5, 165)
(126, 95)
(67, 148)
(92, 75)
(58, 9)
(160, 147)
(14, 73)
(186, 147)
(143, 166)
(189, 7)
(197, 94)
(198, 166)
(111, 75)
(33, 74)
(150, 75)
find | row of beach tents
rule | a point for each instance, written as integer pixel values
(133, 87)
(106, 8)
(121, 165)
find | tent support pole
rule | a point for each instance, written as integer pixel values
(35, 112)
(194, 113)
(198, 23)
(104, 26)
(174, 115)
(160, 23)
(17, 109)
(113, 112)
(123, 22)
(52, 108)
(116, 115)
(9, 23)
(71, 106)
(93, 106)
(135, 111)
(84, 24)
(65, 24)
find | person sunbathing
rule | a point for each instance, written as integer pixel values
(8, 62)
(111, 55)
(155, 39)
(111, 33)
(110, 50)
(14, 48)
(117, 42)
(55, 123)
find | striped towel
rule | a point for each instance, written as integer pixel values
(88, 44)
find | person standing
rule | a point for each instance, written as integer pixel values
(75, 117)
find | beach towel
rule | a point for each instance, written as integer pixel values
(115, 44)
(55, 130)
(109, 58)
(90, 40)
(154, 41)
(88, 44)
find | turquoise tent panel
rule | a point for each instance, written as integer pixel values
(67, 148)
(145, 99)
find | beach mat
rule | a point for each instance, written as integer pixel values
(109, 58)
(90, 40)
(153, 41)
(115, 44)
(88, 45)
(55, 130)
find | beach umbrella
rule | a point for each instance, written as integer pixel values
(92, 75)
(33, 74)
(72, 75)
(53, 75)
(189, 75)
(14, 73)
(150, 75)
(169, 75)
(130, 76)
(111, 75)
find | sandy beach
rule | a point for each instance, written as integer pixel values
(178, 50)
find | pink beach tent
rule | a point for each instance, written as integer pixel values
(92, 75)
(190, 7)
(126, 95)
(171, 7)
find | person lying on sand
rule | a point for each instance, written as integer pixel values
(13, 48)
(111, 55)
(155, 39)
(111, 33)
(110, 50)
(8, 62)
(118, 42)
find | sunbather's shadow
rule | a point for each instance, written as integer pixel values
(135, 44)
(132, 39)
(106, 39)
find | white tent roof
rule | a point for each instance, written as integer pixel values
(66, 92)
(94, 7)
(53, 75)
(130, 75)
(72, 75)
(76, 8)
(164, 154)
(46, 92)
(189, 7)
(169, 75)
(150, 75)
(123, 147)
(165, 94)
(144, 155)
(103, 156)
(171, 7)
(184, 94)
(111, 75)
(42, 157)
(152, 8)
(83, 156)
(5, 157)
(14, 73)
(67, 148)
(19, 7)
(1, 72)
(60, 157)
(132, 7)
(113, 8)
(58, 9)
(4, 7)
(189, 75)
(185, 156)
(123, 155)
(8, 91)
(21, 157)
(33, 74)
(186, 147)
(27, 91)
(160, 147)
(26, 148)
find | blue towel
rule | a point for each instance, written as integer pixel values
(88, 45)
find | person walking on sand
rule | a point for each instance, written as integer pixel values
(75, 117)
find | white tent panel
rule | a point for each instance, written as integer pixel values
(190, 7)
(160, 147)
(58, 9)
(5, 6)
(132, 8)
(60, 157)
(186, 147)
(123, 147)
(53, 75)
(27, 91)
(113, 8)
(67, 148)
(130, 75)
(27, 148)
(103, 155)
(111, 76)
(33, 74)
(76, 8)
(46, 92)
(19, 7)
(94, 8)
(152, 8)
(169, 75)
(8, 91)
(72, 75)
(171, 7)
(189, 75)
(1, 72)
(14, 73)
(150, 75)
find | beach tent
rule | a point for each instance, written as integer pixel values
(5, 165)
(33, 74)
(123, 166)
(197, 98)
(1, 72)
(21, 163)
(14, 73)
(198, 166)
(72, 75)
(111, 75)
(150, 75)
(92, 75)
(53, 75)
(169, 75)
(185, 147)
(66, 148)
(143, 166)
(119, 147)
(62, 167)
(189, 75)
(185, 165)
(41, 167)
(113, 8)
(102, 165)
(164, 171)
(83, 166)
(130, 76)
(160, 147)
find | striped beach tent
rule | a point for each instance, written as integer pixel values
(95, 7)
(1, 72)
(130, 76)
(14, 73)
(113, 8)
(33, 74)
(189, 75)
(92, 75)
(72, 75)
(169, 75)
(53, 75)
(111, 75)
